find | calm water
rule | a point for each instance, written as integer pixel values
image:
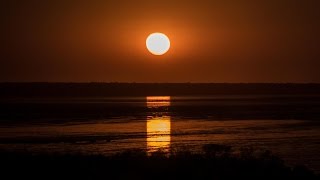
(284, 124)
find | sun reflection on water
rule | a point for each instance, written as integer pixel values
(158, 127)
(158, 101)
(158, 134)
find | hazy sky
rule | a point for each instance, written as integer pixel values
(211, 41)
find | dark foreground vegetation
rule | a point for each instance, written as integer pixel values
(215, 162)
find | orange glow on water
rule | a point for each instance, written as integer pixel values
(158, 128)
(158, 101)
(158, 133)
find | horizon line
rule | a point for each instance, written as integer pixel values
(115, 82)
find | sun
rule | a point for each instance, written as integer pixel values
(158, 43)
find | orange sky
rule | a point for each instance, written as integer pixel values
(211, 41)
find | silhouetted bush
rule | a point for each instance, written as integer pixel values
(214, 162)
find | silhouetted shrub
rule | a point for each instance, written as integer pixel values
(214, 162)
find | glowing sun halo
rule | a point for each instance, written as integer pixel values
(158, 43)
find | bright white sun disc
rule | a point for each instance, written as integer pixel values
(158, 43)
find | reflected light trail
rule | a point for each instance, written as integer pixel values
(158, 134)
(158, 127)
(158, 101)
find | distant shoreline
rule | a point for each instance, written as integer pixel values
(48, 89)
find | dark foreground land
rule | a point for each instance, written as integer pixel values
(215, 162)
